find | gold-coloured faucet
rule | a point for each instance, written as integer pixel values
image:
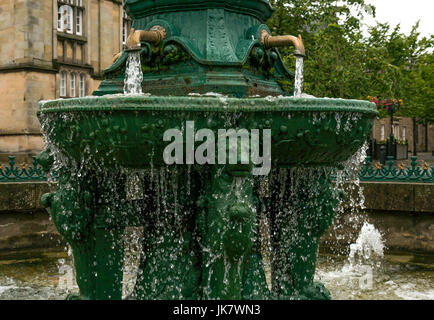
(116, 57)
(282, 41)
(155, 35)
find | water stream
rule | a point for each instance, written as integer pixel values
(133, 74)
(299, 77)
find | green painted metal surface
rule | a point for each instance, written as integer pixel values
(211, 46)
(114, 131)
(100, 136)
(201, 235)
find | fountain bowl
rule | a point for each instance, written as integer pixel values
(127, 130)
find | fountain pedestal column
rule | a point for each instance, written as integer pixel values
(81, 217)
(231, 261)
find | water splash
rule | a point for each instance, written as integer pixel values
(133, 186)
(133, 247)
(133, 74)
(363, 269)
(368, 247)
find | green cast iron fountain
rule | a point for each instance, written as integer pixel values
(207, 65)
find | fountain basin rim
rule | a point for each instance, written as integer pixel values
(205, 104)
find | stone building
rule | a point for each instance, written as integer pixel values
(51, 49)
(418, 135)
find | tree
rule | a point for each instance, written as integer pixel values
(401, 66)
(342, 62)
(333, 38)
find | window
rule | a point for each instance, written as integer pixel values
(79, 22)
(126, 24)
(64, 18)
(72, 84)
(59, 20)
(82, 86)
(63, 84)
(70, 15)
(396, 131)
(382, 133)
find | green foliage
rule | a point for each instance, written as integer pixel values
(343, 62)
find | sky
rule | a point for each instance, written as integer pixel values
(406, 12)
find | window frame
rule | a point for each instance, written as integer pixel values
(75, 17)
(79, 22)
(396, 130)
(126, 26)
(72, 85)
(63, 79)
(65, 24)
(81, 85)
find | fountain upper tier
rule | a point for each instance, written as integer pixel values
(204, 46)
(260, 9)
(128, 130)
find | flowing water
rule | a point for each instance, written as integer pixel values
(299, 77)
(133, 74)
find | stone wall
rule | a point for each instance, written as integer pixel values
(26, 32)
(24, 223)
(12, 89)
(104, 33)
(22, 196)
(28, 230)
(401, 232)
(20, 93)
(399, 197)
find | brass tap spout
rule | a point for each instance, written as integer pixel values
(155, 35)
(116, 57)
(282, 41)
